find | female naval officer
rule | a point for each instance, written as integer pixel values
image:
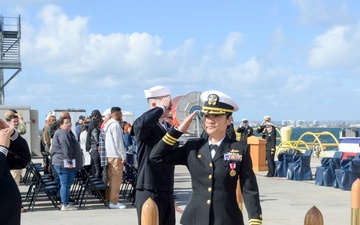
(214, 164)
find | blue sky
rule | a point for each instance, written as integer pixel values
(293, 60)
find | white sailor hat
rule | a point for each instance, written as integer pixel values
(157, 91)
(267, 118)
(244, 120)
(269, 124)
(217, 103)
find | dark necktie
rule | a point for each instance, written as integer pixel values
(213, 149)
(165, 125)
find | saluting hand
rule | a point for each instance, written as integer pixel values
(165, 101)
(186, 123)
(3, 124)
(5, 136)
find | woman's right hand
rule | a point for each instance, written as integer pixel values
(186, 123)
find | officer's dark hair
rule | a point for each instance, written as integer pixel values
(228, 115)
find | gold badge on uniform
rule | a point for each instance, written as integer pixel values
(232, 173)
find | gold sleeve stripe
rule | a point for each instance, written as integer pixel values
(168, 139)
(255, 222)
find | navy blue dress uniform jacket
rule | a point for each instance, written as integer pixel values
(245, 133)
(271, 140)
(10, 198)
(148, 132)
(213, 201)
(260, 129)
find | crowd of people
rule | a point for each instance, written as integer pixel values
(101, 145)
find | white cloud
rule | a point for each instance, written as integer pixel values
(229, 48)
(318, 12)
(337, 48)
(29, 2)
(65, 65)
(62, 46)
(300, 84)
(278, 37)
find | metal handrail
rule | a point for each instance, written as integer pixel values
(317, 141)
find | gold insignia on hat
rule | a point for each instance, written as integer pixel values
(217, 103)
(213, 99)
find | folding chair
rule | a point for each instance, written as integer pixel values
(128, 185)
(346, 175)
(39, 184)
(300, 169)
(281, 165)
(92, 186)
(325, 174)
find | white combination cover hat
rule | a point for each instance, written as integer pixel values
(157, 91)
(217, 103)
(267, 118)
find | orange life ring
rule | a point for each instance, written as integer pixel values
(174, 103)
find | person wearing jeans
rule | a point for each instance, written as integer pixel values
(66, 159)
(66, 177)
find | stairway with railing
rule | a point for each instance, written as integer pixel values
(10, 42)
(10, 34)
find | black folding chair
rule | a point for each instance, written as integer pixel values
(40, 184)
(128, 185)
(90, 185)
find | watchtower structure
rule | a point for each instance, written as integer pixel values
(10, 34)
